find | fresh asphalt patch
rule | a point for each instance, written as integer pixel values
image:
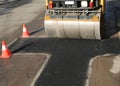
(68, 65)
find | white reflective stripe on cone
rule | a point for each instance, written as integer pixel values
(24, 29)
(91, 1)
(4, 47)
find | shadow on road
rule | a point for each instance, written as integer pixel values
(36, 31)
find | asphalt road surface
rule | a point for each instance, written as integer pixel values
(69, 61)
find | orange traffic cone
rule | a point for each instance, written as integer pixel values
(25, 31)
(91, 4)
(5, 51)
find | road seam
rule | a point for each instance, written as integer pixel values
(90, 68)
(40, 70)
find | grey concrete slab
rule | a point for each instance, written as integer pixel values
(104, 71)
(21, 69)
(14, 14)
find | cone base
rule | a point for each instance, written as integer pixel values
(5, 57)
(25, 36)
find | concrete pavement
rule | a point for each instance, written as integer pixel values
(13, 15)
(22, 69)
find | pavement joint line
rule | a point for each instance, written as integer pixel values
(90, 69)
(26, 38)
(38, 37)
(13, 41)
(40, 70)
(32, 54)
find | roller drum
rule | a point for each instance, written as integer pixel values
(62, 28)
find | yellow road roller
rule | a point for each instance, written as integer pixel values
(74, 18)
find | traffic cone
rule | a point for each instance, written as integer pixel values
(91, 4)
(25, 31)
(5, 51)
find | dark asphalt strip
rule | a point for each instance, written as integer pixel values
(13, 4)
(70, 57)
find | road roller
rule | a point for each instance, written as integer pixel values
(74, 18)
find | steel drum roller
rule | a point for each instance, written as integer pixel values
(62, 28)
